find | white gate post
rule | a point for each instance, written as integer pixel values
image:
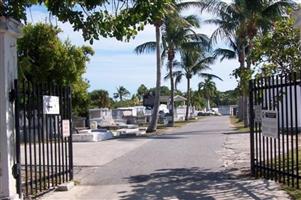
(9, 32)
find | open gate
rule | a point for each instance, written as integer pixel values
(275, 119)
(43, 137)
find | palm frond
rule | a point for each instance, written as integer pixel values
(214, 6)
(210, 76)
(147, 47)
(224, 53)
(278, 9)
(189, 4)
(193, 20)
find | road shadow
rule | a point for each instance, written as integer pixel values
(199, 132)
(158, 137)
(192, 183)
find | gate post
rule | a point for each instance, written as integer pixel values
(9, 32)
(251, 124)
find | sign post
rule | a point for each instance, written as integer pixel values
(270, 123)
(51, 105)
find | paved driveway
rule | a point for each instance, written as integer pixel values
(183, 164)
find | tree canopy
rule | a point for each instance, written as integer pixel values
(115, 18)
(267, 54)
(100, 99)
(43, 57)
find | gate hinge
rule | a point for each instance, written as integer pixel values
(12, 95)
(16, 170)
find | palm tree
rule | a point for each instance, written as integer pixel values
(174, 31)
(121, 93)
(192, 63)
(208, 88)
(241, 21)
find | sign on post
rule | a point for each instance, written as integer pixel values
(269, 123)
(51, 105)
(66, 127)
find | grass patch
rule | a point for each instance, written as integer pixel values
(238, 125)
(293, 192)
(76, 182)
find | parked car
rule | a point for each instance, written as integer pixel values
(209, 113)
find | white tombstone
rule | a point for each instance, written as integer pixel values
(9, 32)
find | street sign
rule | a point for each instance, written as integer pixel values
(66, 127)
(269, 123)
(51, 105)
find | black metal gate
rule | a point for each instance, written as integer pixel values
(43, 137)
(275, 119)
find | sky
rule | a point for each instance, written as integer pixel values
(115, 64)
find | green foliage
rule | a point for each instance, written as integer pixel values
(121, 93)
(198, 100)
(99, 99)
(238, 22)
(15, 8)
(229, 97)
(278, 51)
(164, 91)
(117, 18)
(141, 91)
(244, 75)
(208, 88)
(126, 103)
(42, 57)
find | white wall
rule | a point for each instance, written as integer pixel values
(9, 31)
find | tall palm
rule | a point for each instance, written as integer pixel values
(175, 30)
(242, 20)
(208, 88)
(192, 63)
(121, 93)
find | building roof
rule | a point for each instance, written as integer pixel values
(165, 99)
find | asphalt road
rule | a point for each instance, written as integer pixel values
(184, 164)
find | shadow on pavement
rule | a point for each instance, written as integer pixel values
(159, 137)
(191, 183)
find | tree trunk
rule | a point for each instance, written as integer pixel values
(246, 98)
(241, 107)
(154, 119)
(188, 99)
(208, 104)
(172, 92)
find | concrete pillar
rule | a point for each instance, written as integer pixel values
(9, 32)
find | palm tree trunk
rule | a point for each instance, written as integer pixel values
(172, 93)
(188, 99)
(241, 106)
(246, 98)
(208, 104)
(154, 120)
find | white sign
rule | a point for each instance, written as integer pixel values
(51, 105)
(66, 127)
(269, 123)
(257, 113)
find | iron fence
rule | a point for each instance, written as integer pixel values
(275, 119)
(43, 139)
